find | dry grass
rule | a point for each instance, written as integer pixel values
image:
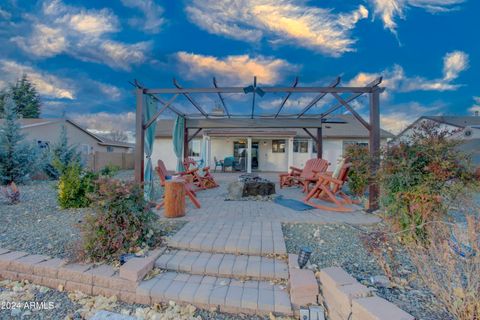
(454, 279)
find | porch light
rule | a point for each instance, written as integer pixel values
(303, 256)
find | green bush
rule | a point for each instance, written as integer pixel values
(420, 177)
(109, 170)
(360, 173)
(74, 186)
(121, 222)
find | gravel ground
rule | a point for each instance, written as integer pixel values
(340, 245)
(37, 225)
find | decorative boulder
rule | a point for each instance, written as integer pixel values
(235, 190)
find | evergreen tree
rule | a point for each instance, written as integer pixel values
(18, 158)
(25, 96)
(62, 155)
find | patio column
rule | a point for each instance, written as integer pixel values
(249, 155)
(289, 153)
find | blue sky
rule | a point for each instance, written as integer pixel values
(81, 54)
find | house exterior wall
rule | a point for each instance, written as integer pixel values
(221, 147)
(51, 132)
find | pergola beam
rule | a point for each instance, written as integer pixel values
(286, 97)
(171, 107)
(221, 97)
(310, 134)
(226, 123)
(159, 112)
(137, 84)
(192, 101)
(352, 111)
(190, 138)
(317, 98)
(265, 89)
(352, 97)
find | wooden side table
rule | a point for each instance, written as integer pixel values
(174, 199)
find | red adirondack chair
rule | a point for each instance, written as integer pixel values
(306, 176)
(163, 173)
(329, 188)
(203, 181)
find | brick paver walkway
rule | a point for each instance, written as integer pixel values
(260, 238)
(215, 208)
(236, 266)
(232, 254)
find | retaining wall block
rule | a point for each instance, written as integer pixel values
(375, 308)
(136, 268)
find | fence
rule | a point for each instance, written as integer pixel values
(98, 160)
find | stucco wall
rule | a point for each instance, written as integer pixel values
(51, 133)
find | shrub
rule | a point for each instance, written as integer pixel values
(121, 221)
(74, 185)
(12, 193)
(18, 159)
(359, 175)
(109, 170)
(418, 177)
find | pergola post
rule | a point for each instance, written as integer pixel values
(139, 137)
(374, 144)
(319, 143)
(185, 142)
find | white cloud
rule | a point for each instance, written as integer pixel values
(44, 41)
(47, 84)
(405, 113)
(395, 79)
(454, 63)
(105, 121)
(476, 105)
(83, 34)
(152, 20)
(389, 10)
(279, 21)
(233, 69)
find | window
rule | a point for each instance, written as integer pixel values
(300, 146)
(194, 147)
(109, 149)
(278, 146)
(347, 144)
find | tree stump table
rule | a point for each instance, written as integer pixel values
(174, 199)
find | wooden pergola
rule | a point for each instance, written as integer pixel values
(200, 119)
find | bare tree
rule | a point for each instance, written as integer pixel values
(117, 136)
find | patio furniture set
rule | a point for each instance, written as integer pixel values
(314, 180)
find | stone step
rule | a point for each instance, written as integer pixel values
(253, 238)
(223, 265)
(251, 297)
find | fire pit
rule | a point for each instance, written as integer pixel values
(250, 187)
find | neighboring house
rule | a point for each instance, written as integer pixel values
(46, 132)
(272, 150)
(96, 152)
(466, 128)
